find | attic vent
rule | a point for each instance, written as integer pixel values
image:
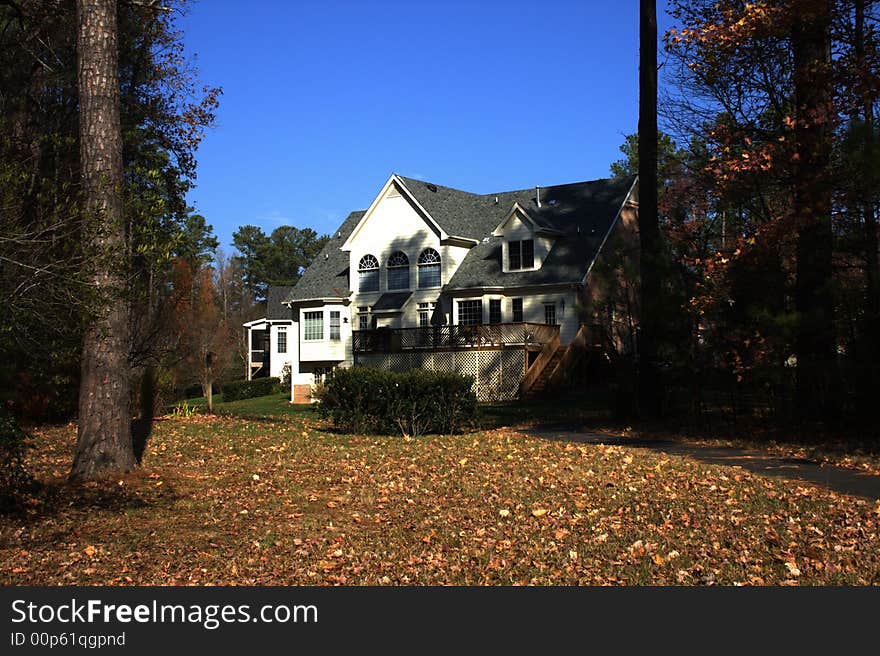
(393, 193)
(326, 256)
(431, 187)
(496, 200)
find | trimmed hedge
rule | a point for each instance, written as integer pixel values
(363, 400)
(249, 389)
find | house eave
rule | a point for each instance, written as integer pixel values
(257, 322)
(455, 240)
(317, 299)
(507, 290)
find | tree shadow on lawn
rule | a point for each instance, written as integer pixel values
(141, 429)
(839, 479)
(115, 495)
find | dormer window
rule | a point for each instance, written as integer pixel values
(368, 274)
(521, 254)
(398, 271)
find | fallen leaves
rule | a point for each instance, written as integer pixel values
(257, 503)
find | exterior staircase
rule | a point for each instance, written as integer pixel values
(539, 387)
(554, 364)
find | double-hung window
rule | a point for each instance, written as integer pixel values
(470, 313)
(424, 315)
(550, 314)
(334, 325)
(495, 310)
(521, 255)
(282, 339)
(313, 326)
(517, 310)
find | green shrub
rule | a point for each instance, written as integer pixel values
(14, 479)
(248, 389)
(363, 400)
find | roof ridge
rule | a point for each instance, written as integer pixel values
(516, 191)
(439, 186)
(564, 184)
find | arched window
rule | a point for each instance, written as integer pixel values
(398, 271)
(368, 274)
(429, 268)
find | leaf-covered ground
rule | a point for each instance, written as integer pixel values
(229, 500)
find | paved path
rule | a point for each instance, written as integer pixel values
(839, 479)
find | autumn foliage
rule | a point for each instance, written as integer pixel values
(767, 208)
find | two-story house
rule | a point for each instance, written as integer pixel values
(493, 285)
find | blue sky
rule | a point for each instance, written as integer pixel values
(324, 100)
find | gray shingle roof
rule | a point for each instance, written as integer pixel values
(391, 301)
(459, 213)
(327, 275)
(275, 297)
(582, 211)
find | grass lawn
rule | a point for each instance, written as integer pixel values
(283, 500)
(273, 405)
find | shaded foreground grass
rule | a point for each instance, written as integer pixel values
(283, 501)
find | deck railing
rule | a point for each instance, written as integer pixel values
(440, 338)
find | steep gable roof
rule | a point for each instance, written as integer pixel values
(459, 213)
(275, 297)
(582, 212)
(327, 276)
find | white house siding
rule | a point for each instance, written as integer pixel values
(277, 360)
(533, 308)
(396, 225)
(326, 349)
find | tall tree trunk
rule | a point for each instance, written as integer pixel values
(649, 230)
(867, 352)
(816, 388)
(104, 444)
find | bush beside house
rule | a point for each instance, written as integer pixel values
(364, 400)
(249, 389)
